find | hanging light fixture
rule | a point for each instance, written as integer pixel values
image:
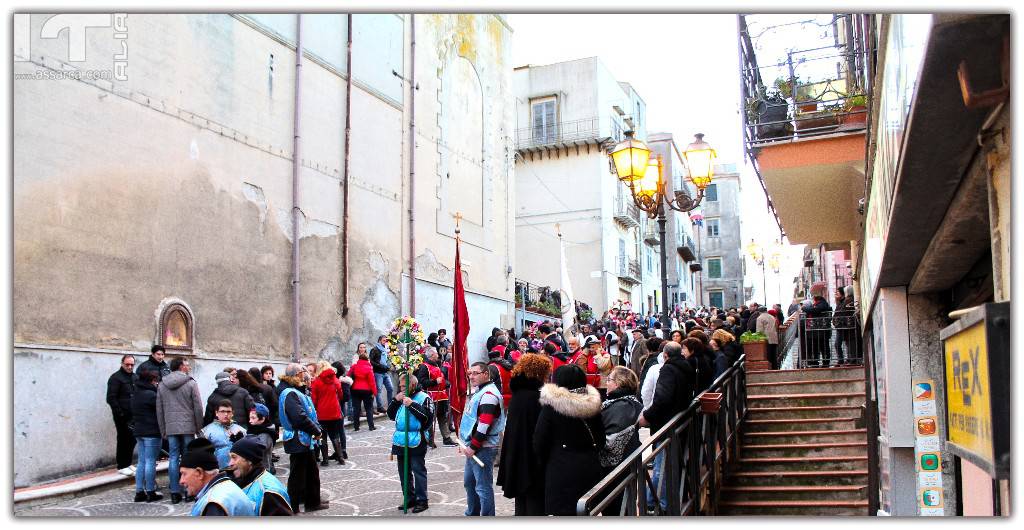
(631, 157)
(700, 160)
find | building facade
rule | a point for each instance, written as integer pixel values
(719, 241)
(219, 199)
(569, 114)
(924, 221)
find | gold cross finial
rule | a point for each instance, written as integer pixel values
(558, 229)
(458, 220)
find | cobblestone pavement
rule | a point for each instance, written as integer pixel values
(366, 485)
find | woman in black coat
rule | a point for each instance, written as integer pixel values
(520, 471)
(147, 434)
(619, 413)
(569, 436)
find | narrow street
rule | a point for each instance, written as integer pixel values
(366, 485)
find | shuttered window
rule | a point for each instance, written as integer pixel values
(544, 128)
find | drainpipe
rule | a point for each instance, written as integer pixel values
(345, 174)
(296, 161)
(412, 167)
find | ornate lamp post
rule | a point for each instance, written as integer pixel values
(646, 182)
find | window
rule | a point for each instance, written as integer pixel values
(711, 193)
(650, 262)
(543, 119)
(712, 225)
(714, 267)
(716, 298)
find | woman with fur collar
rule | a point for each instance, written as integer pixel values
(567, 439)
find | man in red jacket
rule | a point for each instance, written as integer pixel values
(504, 372)
(432, 379)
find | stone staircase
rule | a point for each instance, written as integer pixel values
(803, 449)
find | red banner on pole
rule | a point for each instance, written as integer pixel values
(459, 366)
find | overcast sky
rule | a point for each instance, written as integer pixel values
(686, 68)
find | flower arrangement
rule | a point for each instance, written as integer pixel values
(399, 362)
(534, 330)
(397, 336)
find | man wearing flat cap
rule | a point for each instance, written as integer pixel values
(262, 488)
(215, 493)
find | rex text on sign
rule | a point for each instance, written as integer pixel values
(965, 375)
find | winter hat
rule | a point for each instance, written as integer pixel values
(199, 453)
(262, 410)
(249, 448)
(222, 376)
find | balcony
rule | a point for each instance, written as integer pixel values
(651, 236)
(685, 247)
(629, 270)
(626, 212)
(586, 133)
(806, 85)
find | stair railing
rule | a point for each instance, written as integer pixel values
(695, 451)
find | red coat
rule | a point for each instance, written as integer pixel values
(327, 395)
(506, 379)
(362, 376)
(436, 373)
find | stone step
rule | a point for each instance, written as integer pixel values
(854, 492)
(822, 411)
(829, 463)
(804, 449)
(769, 376)
(802, 424)
(794, 508)
(847, 385)
(808, 436)
(811, 399)
(798, 478)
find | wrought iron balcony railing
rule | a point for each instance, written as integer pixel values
(804, 81)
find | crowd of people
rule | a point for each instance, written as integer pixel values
(553, 410)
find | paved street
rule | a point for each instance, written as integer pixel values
(366, 485)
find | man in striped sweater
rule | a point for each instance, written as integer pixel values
(480, 431)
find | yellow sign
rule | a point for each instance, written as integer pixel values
(967, 391)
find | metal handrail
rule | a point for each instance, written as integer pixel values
(698, 449)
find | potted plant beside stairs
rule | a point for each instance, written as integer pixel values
(755, 347)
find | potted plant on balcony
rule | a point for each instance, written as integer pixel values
(755, 347)
(770, 111)
(855, 109)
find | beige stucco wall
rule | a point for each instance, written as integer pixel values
(177, 183)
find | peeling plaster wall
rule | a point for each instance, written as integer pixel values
(457, 169)
(177, 183)
(927, 317)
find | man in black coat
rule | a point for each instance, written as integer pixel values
(241, 400)
(818, 330)
(674, 393)
(120, 387)
(155, 363)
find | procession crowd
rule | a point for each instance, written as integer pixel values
(554, 410)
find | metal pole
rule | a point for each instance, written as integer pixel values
(666, 322)
(764, 283)
(296, 161)
(412, 166)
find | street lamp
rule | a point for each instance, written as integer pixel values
(646, 182)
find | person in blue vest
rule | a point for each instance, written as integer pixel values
(262, 488)
(413, 414)
(301, 434)
(215, 493)
(480, 430)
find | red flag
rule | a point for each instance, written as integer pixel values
(459, 367)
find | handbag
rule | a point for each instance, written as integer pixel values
(615, 447)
